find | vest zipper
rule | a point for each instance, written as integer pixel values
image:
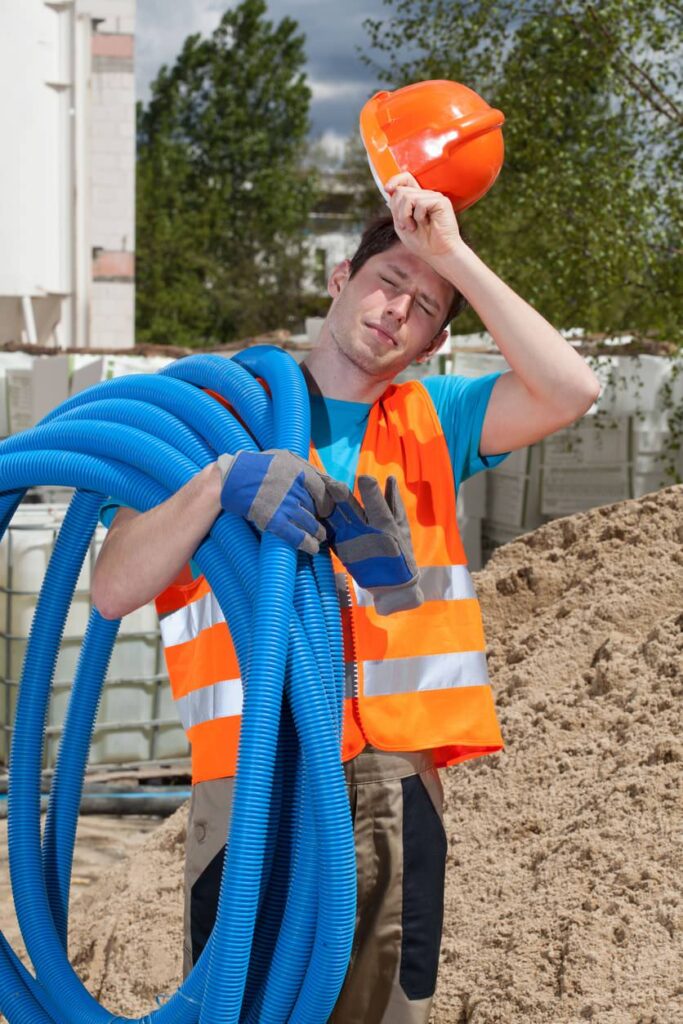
(354, 654)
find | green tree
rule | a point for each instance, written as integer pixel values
(585, 219)
(221, 198)
(369, 202)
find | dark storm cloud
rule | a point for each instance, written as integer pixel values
(340, 81)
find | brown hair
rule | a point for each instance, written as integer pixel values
(380, 235)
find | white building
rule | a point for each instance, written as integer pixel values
(67, 177)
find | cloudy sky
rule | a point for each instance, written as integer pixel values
(333, 28)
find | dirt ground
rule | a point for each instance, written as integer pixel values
(564, 897)
(102, 843)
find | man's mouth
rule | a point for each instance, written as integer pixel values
(383, 335)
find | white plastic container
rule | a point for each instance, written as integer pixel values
(121, 366)
(513, 490)
(136, 720)
(477, 364)
(633, 384)
(470, 535)
(589, 443)
(472, 497)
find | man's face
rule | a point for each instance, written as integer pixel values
(389, 313)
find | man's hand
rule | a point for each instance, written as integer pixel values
(374, 542)
(424, 221)
(276, 491)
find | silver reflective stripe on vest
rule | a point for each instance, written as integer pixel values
(438, 583)
(381, 678)
(426, 672)
(187, 622)
(216, 701)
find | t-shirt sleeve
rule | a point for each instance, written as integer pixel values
(461, 404)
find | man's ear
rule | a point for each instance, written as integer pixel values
(338, 278)
(434, 345)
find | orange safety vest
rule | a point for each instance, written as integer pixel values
(415, 680)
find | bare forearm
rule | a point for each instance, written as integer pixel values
(547, 364)
(144, 552)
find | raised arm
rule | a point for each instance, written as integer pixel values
(549, 385)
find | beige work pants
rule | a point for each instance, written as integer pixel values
(397, 806)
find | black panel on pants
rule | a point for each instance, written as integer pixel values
(424, 870)
(204, 904)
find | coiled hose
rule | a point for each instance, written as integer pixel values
(282, 938)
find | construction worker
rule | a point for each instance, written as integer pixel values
(424, 700)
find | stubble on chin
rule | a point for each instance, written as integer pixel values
(349, 351)
(360, 356)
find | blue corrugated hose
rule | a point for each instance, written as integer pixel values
(282, 939)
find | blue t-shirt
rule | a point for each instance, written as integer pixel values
(337, 429)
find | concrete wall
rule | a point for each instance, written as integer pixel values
(34, 170)
(112, 320)
(67, 178)
(112, 172)
(117, 15)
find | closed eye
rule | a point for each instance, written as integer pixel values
(420, 304)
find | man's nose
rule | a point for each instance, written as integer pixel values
(399, 305)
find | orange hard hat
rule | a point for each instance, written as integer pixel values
(443, 133)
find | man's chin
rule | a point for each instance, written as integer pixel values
(370, 355)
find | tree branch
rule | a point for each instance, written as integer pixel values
(677, 113)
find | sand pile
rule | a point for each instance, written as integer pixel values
(564, 898)
(125, 934)
(565, 885)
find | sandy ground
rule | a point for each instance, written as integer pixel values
(102, 842)
(564, 893)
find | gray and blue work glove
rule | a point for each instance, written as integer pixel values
(276, 491)
(374, 542)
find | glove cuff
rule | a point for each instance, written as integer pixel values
(398, 599)
(225, 464)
